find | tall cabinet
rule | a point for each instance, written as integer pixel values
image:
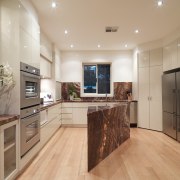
(150, 89)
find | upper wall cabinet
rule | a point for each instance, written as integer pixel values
(179, 52)
(29, 38)
(144, 59)
(57, 65)
(45, 68)
(170, 56)
(46, 47)
(25, 20)
(156, 57)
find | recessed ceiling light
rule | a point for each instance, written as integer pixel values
(65, 32)
(136, 31)
(160, 3)
(98, 45)
(54, 5)
(72, 46)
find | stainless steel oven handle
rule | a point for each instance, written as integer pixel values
(29, 75)
(27, 120)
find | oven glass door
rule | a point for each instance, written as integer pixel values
(31, 89)
(30, 132)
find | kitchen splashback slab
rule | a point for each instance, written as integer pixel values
(120, 91)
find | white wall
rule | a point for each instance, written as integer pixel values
(71, 64)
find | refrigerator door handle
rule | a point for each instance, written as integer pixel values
(174, 100)
(174, 120)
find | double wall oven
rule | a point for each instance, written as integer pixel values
(30, 107)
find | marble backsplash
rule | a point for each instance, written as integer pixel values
(120, 91)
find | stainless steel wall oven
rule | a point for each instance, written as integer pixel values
(30, 86)
(30, 107)
(30, 128)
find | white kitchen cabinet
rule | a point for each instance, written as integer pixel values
(35, 54)
(67, 113)
(9, 150)
(144, 59)
(80, 113)
(170, 56)
(178, 52)
(46, 47)
(25, 19)
(29, 38)
(25, 47)
(57, 65)
(150, 92)
(45, 68)
(52, 119)
(155, 98)
(143, 101)
(36, 32)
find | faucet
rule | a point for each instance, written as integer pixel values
(106, 97)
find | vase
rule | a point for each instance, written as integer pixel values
(71, 97)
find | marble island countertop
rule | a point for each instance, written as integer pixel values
(4, 118)
(92, 109)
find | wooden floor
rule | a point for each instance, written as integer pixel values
(147, 155)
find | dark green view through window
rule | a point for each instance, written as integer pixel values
(97, 78)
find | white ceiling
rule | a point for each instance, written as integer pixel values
(85, 21)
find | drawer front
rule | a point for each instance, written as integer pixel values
(66, 116)
(66, 110)
(83, 105)
(67, 121)
(67, 105)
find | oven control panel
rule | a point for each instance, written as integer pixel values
(30, 69)
(30, 111)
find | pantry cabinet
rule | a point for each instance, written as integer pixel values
(46, 47)
(29, 35)
(171, 56)
(150, 90)
(9, 150)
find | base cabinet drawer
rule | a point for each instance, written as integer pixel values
(66, 110)
(67, 116)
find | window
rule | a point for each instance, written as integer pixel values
(97, 78)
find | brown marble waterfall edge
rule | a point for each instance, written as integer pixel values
(108, 128)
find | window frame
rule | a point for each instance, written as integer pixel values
(96, 94)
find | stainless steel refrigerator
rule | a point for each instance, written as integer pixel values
(171, 104)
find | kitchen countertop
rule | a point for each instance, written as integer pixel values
(92, 109)
(5, 118)
(49, 104)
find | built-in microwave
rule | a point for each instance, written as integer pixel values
(30, 85)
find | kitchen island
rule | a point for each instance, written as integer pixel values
(108, 128)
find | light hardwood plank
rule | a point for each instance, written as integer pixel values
(146, 155)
